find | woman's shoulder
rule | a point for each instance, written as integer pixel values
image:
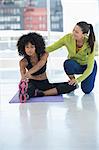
(68, 37)
(23, 61)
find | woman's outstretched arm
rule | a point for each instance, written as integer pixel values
(38, 66)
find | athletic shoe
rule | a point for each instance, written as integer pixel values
(23, 86)
(77, 86)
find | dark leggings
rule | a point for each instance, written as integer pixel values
(44, 85)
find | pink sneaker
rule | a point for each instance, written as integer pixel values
(23, 86)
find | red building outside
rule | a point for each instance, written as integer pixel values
(35, 18)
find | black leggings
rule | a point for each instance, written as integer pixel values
(44, 85)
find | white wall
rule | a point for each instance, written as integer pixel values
(79, 10)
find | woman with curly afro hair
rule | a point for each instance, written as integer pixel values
(34, 81)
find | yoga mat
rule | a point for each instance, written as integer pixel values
(58, 98)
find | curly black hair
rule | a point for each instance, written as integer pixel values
(33, 38)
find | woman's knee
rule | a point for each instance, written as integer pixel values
(67, 66)
(86, 89)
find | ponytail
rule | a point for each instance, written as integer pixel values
(88, 29)
(91, 38)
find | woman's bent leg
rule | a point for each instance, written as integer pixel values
(60, 88)
(47, 89)
(72, 67)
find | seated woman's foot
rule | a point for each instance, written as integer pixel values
(39, 93)
(23, 97)
(23, 86)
